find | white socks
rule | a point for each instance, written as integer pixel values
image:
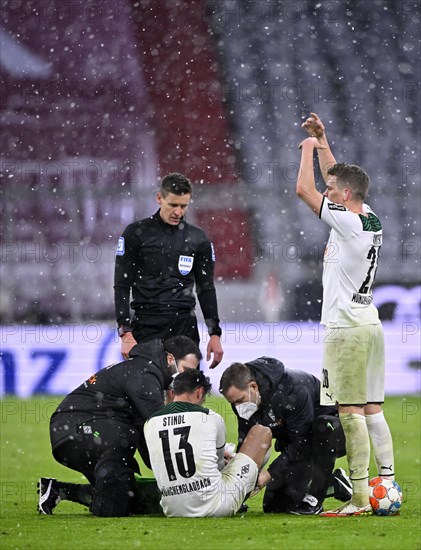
(358, 455)
(382, 444)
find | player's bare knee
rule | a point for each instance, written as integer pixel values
(372, 408)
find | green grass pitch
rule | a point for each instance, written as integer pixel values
(26, 455)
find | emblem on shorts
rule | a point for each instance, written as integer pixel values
(87, 429)
(245, 469)
(185, 264)
(120, 247)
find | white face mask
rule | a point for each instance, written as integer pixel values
(177, 372)
(247, 409)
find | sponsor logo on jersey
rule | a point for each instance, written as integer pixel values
(120, 247)
(185, 264)
(333, 206)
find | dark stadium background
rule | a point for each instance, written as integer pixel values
(99, 100)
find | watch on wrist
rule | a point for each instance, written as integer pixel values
(122, 329)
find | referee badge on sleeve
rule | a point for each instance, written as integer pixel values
(120, 247)
(185, 264)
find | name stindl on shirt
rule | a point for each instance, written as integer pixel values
(186, 487)
(173, 420)
(362, 299)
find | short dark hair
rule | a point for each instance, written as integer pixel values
(352, 176)
(177, 184)
(238, 375)
(189, 380)
(180, 346)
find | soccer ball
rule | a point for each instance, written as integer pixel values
(385, 496)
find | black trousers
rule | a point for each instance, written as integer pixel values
(148, 327)
(328, 445)
(311, 476)
(284, 494)
(103, 451)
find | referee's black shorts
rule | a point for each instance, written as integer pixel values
(148, 327)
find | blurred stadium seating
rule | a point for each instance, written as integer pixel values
(99, 100)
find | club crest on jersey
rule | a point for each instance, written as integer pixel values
(185, 264)
(120, 247)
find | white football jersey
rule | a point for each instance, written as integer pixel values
(186, 448)
(349, 266)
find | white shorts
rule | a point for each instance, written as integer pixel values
(353, 366)
(238, 479)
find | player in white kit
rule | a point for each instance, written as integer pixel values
(353, 356)
(186, 446)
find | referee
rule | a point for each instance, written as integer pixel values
(159, 260)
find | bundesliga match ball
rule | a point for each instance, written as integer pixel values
(385, 496)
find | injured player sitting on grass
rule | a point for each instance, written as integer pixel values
(186, 443)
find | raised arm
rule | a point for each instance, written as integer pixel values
(314, 128)
(306, 185)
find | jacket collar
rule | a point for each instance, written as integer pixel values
(168, 227)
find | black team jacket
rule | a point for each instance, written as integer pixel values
(290, 403)
(129, 392)
(148, 263)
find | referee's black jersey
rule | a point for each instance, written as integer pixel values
(161, 263)
(127, 392)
